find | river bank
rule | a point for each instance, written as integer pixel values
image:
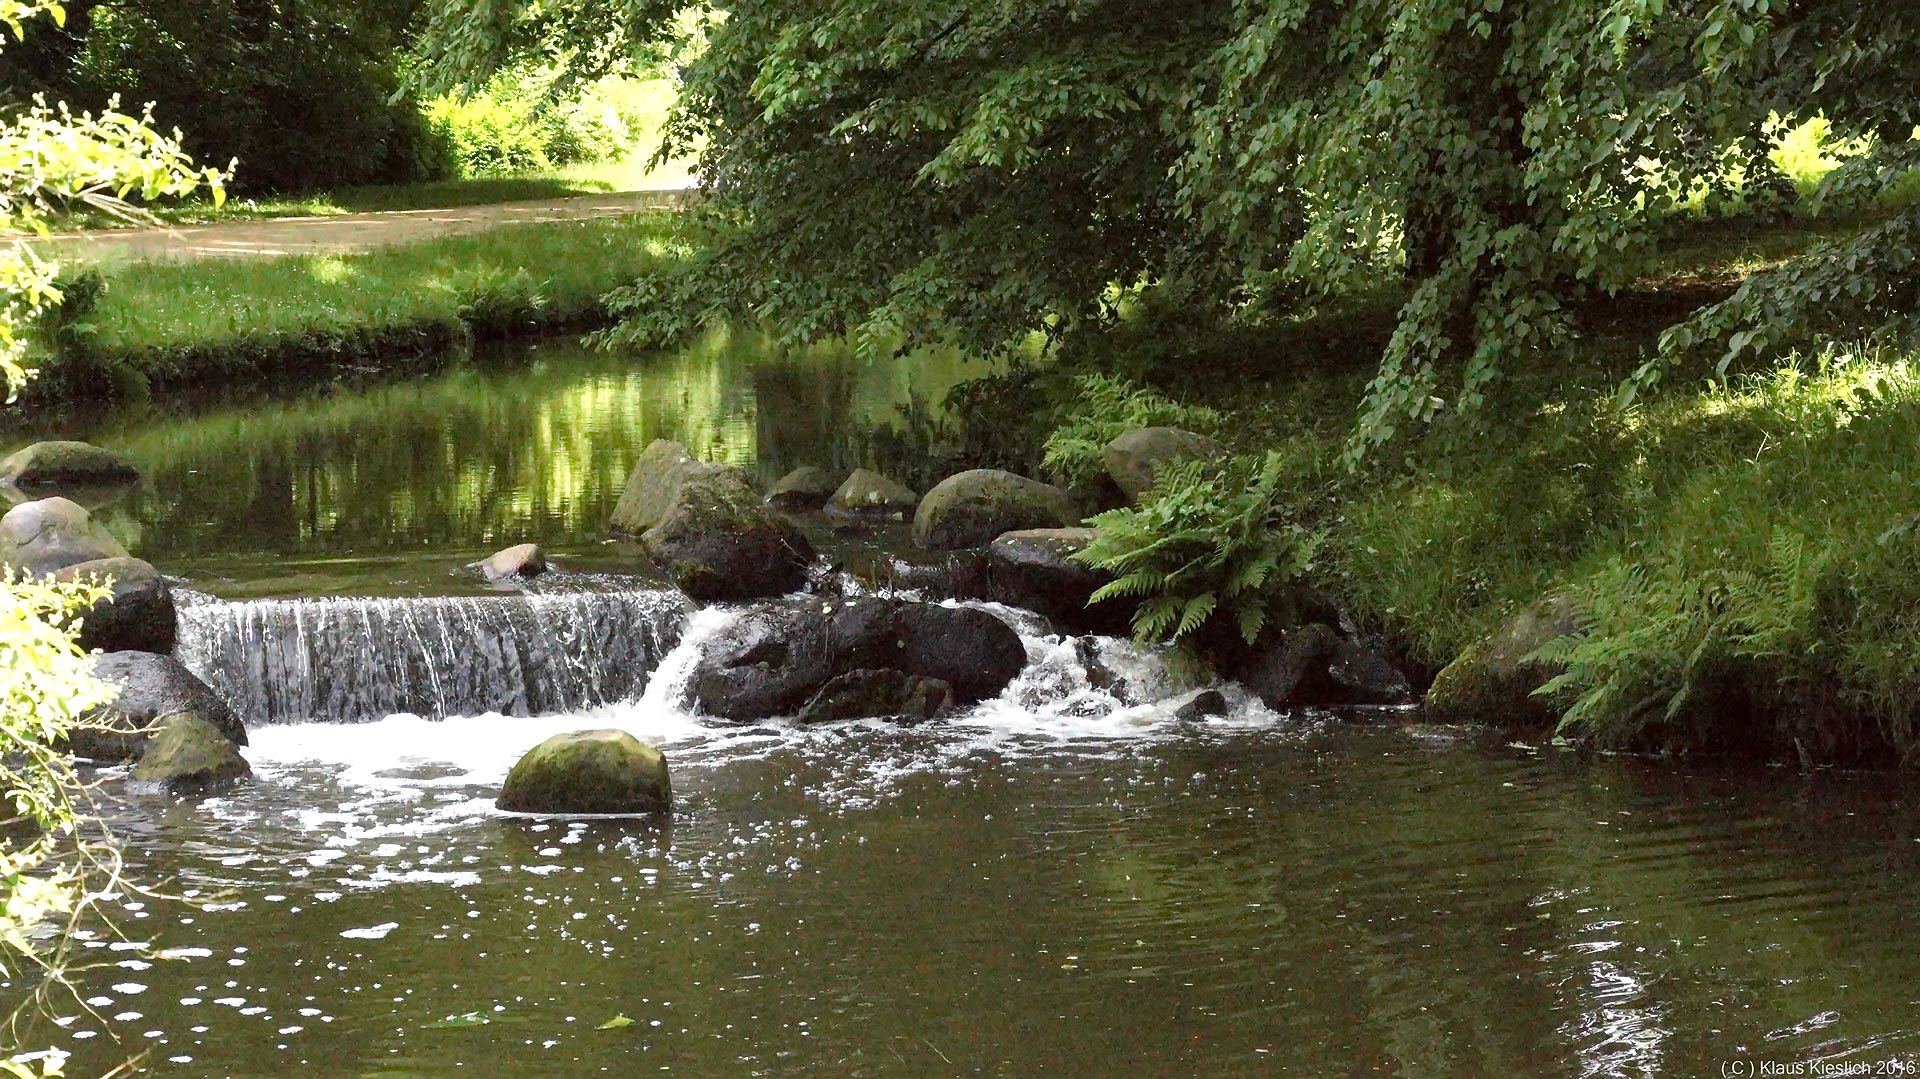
(131, 329)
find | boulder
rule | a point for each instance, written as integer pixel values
(973, 507)
(773, 660)
(871, 694)
(867, 493)
(1493, 681)
(967, 648)
(520, 560)
(1289, 669)
(1359, 673)
(1202, 704)
(50, 534)
(603, 771)
(805, 488)
(150, 687)
(1134, 458)
(138, 613)
(1034, 568)
(52, 466)
(704, 524)
(188, 755)
(768, 662)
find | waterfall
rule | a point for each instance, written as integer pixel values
(358, 659)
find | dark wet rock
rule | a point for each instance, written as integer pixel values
(1134, 458)
(869, 493)
(768, 662)
(1360, 673)
(805, 488)
(50, 534)
(188, 755)
(1100, 673)
(137, 615)
(1290, 667)
(150, 687)
(965, 647)
(705, 525)
(1035, 569)
(879, 694)
(1205, 703)
(1493, 681)
(54, 466)
(603, 771)
(520, 560)
(972, 508)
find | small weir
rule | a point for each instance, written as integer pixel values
(359, 659)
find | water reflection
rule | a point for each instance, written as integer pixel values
(534, 445)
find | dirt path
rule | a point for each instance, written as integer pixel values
(343, 232)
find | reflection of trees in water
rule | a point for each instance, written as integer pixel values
(488, 454)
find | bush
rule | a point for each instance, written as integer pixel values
(1206, 540)
(515, 124)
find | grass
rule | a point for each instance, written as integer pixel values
(171, 324)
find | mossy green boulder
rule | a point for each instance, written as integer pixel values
(973, 507)
(601, 771)
(48, 466)
(1494, 682)
(805, 488)
(188, 755)
(872, 494)
(708, 529)
(1135, 457)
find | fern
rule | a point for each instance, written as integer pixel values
(1206, 540)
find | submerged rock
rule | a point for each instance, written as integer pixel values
(1493, 681)
(601, 771)
(50, 534)
(520, 560)
(1290, 668)
(709, 530)
(1135, 457)
(1202, 704)
(872, 694)
(1361, 674)
(149, 687)
(138, 615)
(805, 488)
(973, 507)
(870, 494)
(774, 659)
(50, 466)
(1034, 568)
(188, 755)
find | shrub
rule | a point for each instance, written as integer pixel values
(516, 124)
(1206, 540)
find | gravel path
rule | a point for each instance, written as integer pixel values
(342, 232)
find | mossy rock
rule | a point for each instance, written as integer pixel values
(1135, 457)
(520, 560)
(50, 466)
(50, 534)
(600, 771)
(870, 493)
(149, 688)
(1493, 681)
(1035, 568)
(708, 528)
(188, 755)
(805, 488)
(972, 508)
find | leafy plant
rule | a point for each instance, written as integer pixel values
(1105, 407)
(1206, 540)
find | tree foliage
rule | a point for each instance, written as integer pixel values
(981, 170)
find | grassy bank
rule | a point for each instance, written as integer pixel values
(149, 326)
(1744, 554)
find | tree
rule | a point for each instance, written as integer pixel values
(49, 157)
(985, 169)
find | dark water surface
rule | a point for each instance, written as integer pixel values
(1067, 880)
